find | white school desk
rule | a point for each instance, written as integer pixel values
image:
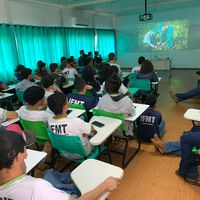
(33, 159)
(6, 95)
(110, 125)
(139, 109)
(192, 114)
(9, 122)
(10, 87)
(75, 113)
(71, 83)
(89, 174)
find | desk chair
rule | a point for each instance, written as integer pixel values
(81, 107)
(20, 96)
(123, 136)
(39, 128)
(144, 86)
(64, 145)
(88, 93)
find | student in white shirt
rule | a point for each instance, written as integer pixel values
(34, 96)
(15, 184)
(141, 59)
(63, 125)
(112, 61)
(69, 71)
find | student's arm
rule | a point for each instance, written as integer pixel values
(3, 86)
(108, 185)
(154, 77)
(54, 87)
(11, 115)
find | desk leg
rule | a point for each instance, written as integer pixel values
(109, 140)
(99, 147)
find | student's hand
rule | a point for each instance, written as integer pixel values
(88, 87)
(2, 94)
(111, 183)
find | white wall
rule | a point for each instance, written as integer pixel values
(127, 28)
(23, 12)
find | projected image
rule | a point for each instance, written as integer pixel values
(164, 35)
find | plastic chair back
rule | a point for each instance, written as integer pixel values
(20, 96)
(88, 93)
(98, 112)
(142, 84)
(77, 106)
(38, 127)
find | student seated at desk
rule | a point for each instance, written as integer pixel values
(141, 59)
(26, 83)
(60, 79)
(34, 96)
(7, 115)
(183, 148)
(147, 72)
(42, 70)
(69, 71)
(60, 124)
(81, 98)
(15, 184)
(111, 70)
(18, 72)
(150, 122)
(116, 102)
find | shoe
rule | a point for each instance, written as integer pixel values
(130, 137)
(173, 96)
(188, 177)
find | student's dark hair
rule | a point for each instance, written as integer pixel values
(62, 58)
(56, 102)
(79, 84)
(111, 56)
(146, 67)
(113, 84)
(151, 100)
(113, 69)
(19, 68)
(40, 64)
(81, 51)
(89, 53)
(47, 81)
(70, 60)
(141, 59)
(86, 60)
(53, 67)
(96, 53)
(26, 72)
(11, 144)
(33, 94)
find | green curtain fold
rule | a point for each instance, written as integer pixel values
(8, 53)
(105, 42)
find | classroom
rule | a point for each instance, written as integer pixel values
(99, 99)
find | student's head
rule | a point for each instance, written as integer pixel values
(90, 54)
(47, 81)
(12, 151)
(53, 67)
(96, 53)
(113, 84)
(19, 68)
(141, 59)
(79, 84)
(34, 95)
(113, 69)
(151, 100)
(87, 61)
(62, 58)
(26, 73)
(82, 52)
(41, 64)
(146, 67)
(57, 103)
(111, 56)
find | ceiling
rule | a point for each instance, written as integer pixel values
(118, 7)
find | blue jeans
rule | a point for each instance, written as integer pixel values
(173, 148)
(192, 93)
(161, 128)
(187, 165)
(61, 181)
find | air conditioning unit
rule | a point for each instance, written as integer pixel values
(79, 22)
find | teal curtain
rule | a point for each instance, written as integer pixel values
(39, 43)
(8, 53)
(105, 42)
(77, 39)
